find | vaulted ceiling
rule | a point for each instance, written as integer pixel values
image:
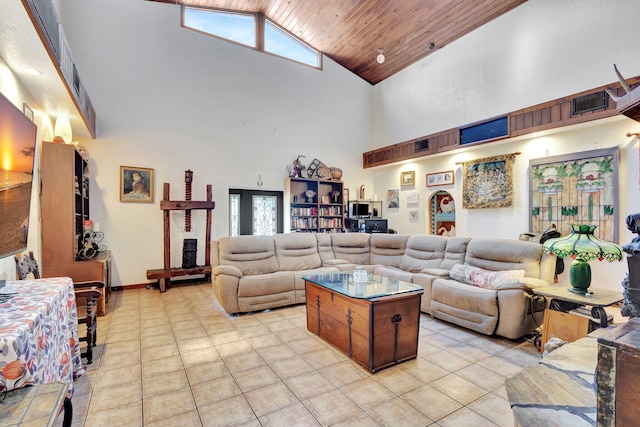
(350, 32)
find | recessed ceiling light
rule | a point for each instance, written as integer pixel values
(33, 71)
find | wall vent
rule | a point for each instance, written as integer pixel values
(422, 145)
(591, 102)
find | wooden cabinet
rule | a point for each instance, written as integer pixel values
(376, 333)
(314, 205)
(64, 204)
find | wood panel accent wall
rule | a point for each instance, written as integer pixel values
(549, 115)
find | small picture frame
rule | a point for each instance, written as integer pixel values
(440, 178)
(136, 184)
(27, 111)
(408, 178)
(324, 200)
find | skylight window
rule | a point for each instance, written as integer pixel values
(242, 28)
(239, 28)
(281, 43)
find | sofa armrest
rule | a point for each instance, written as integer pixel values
(229, 270)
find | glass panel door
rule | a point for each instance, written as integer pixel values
(265, 215)
(255, 212)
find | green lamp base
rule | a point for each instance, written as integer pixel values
(579, 276)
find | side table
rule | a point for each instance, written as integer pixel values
(570, 316)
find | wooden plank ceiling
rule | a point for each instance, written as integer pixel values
(350, 32)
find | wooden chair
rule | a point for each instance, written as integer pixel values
(84, 291)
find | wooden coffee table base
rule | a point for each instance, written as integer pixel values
(376, 333)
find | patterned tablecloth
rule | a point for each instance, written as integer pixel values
(39, 333)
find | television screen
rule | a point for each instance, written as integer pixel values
(360, 209)
(17, 149)
(375, 225)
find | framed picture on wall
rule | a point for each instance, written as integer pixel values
(407, 178)
(136, 184)
(393, 199)
(440, 178)
(27, 111)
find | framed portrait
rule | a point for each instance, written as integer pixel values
(407, 178)
(393, 199)
(136, 184)
(577, 188)
(488, 182)
(440, 178)
(27, 111)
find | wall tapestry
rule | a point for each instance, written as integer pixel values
(577, 188)
(488, 182)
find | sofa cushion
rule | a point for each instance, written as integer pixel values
(353, 247)
(504, 254)
(473, 307)
(265, 284)
(297, 251)
(455, 252)
(250, 254)
(485, 278)
(423, 251)
(394, 273)
(324, 246)
(387, 249)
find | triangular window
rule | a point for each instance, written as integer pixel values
(236, 27)
(242, 28)
(281, 43)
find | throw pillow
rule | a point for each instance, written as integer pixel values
(459, 272)
(485, 278)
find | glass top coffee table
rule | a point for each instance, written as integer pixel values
(375, 322)
(376, 286)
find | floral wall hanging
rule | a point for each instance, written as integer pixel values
(488, 182)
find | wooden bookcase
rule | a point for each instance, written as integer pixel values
(321, 213)
(64, 204)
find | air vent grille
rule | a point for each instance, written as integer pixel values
(590, 102)
(422, 145)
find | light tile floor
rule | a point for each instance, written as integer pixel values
(177, 359)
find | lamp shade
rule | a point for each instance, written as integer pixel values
(62, 129)
(582, 246)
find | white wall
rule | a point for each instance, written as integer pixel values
(540, 51)
(172, 99)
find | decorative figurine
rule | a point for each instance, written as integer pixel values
(631, 283)
(310, 195)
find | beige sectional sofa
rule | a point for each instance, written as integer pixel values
(480, 284)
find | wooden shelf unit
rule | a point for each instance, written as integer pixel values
(64, 204)
(320, 213)
(164, 275)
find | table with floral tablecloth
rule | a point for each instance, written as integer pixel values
(39, 333)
